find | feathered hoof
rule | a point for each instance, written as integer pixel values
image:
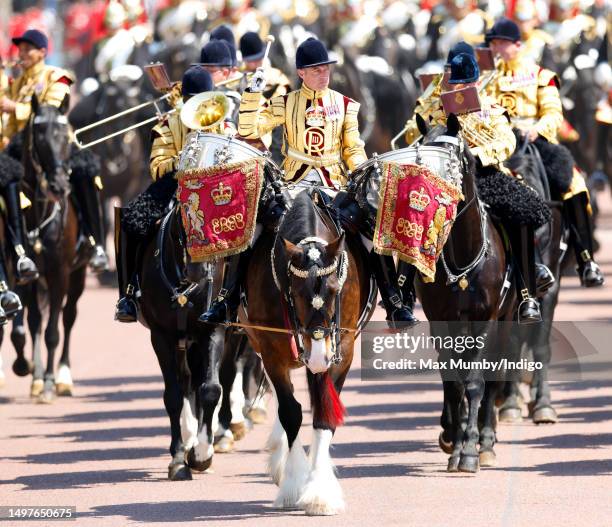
(36, 387)
(196, 464)
(238, 430)
(544, 415)
(446, 446)
(63, 390)
(258, 415)
(468, 464)
(487, 458)
(510, 415)
(322, 495)
(46, 397)
(22, 367)
(179, 472)
(453, 464)
(224, 445)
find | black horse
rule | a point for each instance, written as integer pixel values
(475, 250)
(174, 293)
(534, 340)
(53, 230)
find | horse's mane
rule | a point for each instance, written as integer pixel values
(300, 220)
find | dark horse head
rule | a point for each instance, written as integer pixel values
(310, 264)
(47, 145)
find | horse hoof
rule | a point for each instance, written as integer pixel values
(238, 430)
(257, 415)
(37, 387)
(545, 415)
(63, 390)
(510, 415)
(453, 464)
(199, 466)
(224, 445)
(22, 367)
(46, 397)
(468, 464)
(179, 472)
(446, 446)
(487, 458)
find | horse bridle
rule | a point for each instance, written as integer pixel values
(458, 163)
(339, 267)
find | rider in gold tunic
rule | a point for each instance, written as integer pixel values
(321, 140)
(530, 94)
(168, 139)
(51, 86)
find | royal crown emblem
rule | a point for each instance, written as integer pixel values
(221, 194)
(419, 200)
(459, 98)
(315, 116)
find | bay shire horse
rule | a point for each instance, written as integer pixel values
(174, 293)
(306, 287)
(53, 230)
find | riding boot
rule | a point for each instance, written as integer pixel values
(10, 303)
(25, 267)
(543, 275)
(88, 200)
(398, 313)
(581, 236)
(405, 279)
(524, 250)
(225, 306)
(126, 251)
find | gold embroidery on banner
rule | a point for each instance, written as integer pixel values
(228, 224)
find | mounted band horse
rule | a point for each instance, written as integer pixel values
(52, 223)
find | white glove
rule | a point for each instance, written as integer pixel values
(258, 81)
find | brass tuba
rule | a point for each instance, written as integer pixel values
(205, 110)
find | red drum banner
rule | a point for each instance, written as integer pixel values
(416, 211)
(219, 208)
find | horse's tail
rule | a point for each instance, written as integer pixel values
(327, 409)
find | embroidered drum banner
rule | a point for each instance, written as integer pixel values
(219, 208)
(416, 211)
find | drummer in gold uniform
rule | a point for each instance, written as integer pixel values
(321, 141)
(137, 220)
(530, 94)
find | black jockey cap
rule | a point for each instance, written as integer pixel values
(459, 47)
(196, 80)
(225, 34)
(464, 69)
(216, 53)
(312, 52)
(503, 29)
(252, 47)
(33, 36)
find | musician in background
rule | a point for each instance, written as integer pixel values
(531, 96)
(138, 218)
(277, 84)
(51, 86)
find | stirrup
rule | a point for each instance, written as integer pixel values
(98, 263)
(545, 279)
(528, 309)
(590, 275)
(26, 269)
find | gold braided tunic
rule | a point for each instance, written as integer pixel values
(429, 100)
(530, 94)
(492, 141)
(50, 84)
(168, 140)
(321, 131)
